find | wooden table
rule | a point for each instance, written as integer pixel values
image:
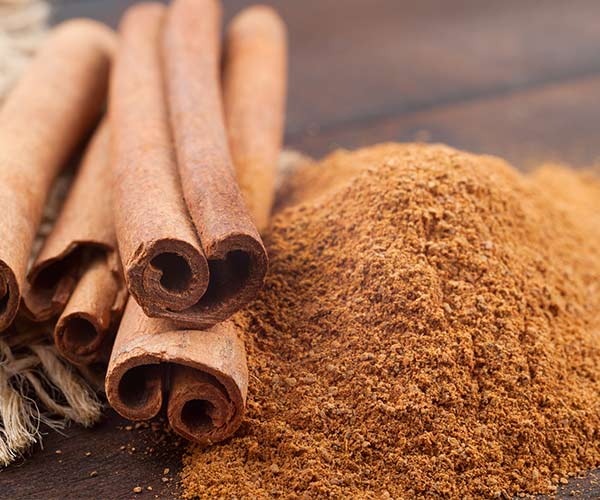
(520, 79)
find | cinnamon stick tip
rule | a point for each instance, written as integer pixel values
(197, 5)
(79, 28)
(258, 18)
(138, 11)
(238, 264)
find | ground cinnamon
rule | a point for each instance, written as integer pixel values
(428, 328)
(40, 127)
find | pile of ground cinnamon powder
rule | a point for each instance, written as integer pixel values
(430, 326)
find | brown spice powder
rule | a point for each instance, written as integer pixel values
(429, 327)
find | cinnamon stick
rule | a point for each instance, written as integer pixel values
(161, 254)
(51, 109)
(206, 370)
(254, 82)
(81, 252)
(208, 375)
(237, 259)
(84, 330)
(197, 261)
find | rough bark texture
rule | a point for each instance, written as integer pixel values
(237, 259)
(161, 254)
(40, 126)
(207, 371)
(254, 81)
(82, 249)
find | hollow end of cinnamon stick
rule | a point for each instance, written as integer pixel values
(91, 313)
(170, 279)
(167, 275)
(208, 375)
(237, 267)
(9, 296)
(134, 388)
(50, 286)
(79, 338)
(202, 406)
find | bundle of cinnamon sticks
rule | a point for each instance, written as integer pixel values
(158, 241)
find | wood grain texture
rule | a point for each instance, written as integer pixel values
(551, 122)
(121, 458)
(518, 79)
(387, 57)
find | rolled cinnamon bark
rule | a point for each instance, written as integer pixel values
(237, 259)
(203, 373)
(161, 254)
(86, 327)
(84, 238)
(51, 109)
(208, 375)
(78, 265)
(254, 82)
(84, 223)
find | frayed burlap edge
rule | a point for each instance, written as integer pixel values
(37, 387)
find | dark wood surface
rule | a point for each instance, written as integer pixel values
(516, 78)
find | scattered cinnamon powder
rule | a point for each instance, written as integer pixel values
(429, 327)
